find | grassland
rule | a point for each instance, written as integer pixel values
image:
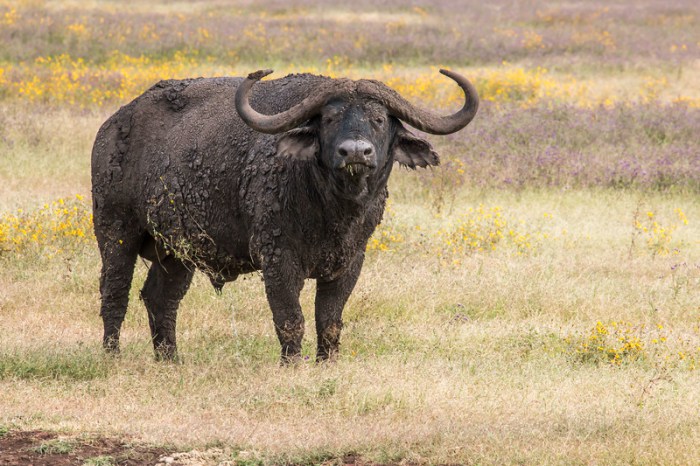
(533, 301)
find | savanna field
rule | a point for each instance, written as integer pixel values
(533, 300)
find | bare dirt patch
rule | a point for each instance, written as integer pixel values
(38, 448)
(41, 448)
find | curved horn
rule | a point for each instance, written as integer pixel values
(428, 121)
(280, 122)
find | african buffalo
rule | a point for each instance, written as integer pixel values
(186, 182)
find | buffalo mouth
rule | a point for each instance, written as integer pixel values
(356, 169)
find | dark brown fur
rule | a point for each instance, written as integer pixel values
(179, 179)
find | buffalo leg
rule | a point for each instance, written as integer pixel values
(283, 296)
(166, 284)
(118, 260)
(331, 297)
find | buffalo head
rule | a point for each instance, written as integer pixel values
(354, 127)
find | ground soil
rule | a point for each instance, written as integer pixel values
(30, 448)
(25, 448)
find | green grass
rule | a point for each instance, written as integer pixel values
(99, 461)
(55, 447)
(58, 364)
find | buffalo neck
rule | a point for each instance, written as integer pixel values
(322, 194)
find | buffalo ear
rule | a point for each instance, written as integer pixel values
(299, 143)
(411, 151)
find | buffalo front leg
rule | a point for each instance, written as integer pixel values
(331, 297)
(282, 291)
(166, 284)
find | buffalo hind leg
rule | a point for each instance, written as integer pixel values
(167, 282)
(331, 297)
(118, 260)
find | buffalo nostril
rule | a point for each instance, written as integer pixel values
(355, 149)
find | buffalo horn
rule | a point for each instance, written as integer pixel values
(283, 121)
(422, 119)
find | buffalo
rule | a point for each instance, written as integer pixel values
(292, 184)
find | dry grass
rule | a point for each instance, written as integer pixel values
(491, 324)
(475, 363)
(45, 153)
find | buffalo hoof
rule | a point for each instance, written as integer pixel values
(326, 357)
(290, 360)
(167, 353)
(111, 346)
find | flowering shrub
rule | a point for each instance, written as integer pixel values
(657, 234)
(619, 342)
(516, 84)
(386, 237)
(65, 79)
(484, 229)
(613, 344)
(61, 224)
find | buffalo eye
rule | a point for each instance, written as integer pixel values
(379, 121)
